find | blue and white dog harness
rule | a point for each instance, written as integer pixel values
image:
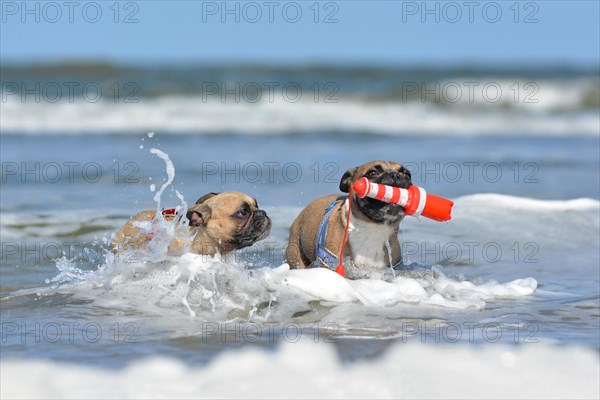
(324, 257)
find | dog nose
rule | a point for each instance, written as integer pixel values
(395, 175)
(262, 220)
(260, 214)
(399, 180)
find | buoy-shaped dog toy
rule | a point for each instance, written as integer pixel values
(415, 200)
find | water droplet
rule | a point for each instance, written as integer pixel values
(389, 251)
(152, 187)
(150, 134)
(141, 146)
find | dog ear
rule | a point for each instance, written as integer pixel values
(345, 181)
(198, 215)
(206, 197)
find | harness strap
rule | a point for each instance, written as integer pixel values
(324, 257)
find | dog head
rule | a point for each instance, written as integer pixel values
(231, 219)
(384, 172)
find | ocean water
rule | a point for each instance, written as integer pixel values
(509, 288)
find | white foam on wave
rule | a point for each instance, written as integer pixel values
(523, 203)
(525, 95)
(560, 224)
(221, 289)
(521, 229)
(310, 370)
(439, 290)
(192, 114)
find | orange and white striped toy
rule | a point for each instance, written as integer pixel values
(415, 200)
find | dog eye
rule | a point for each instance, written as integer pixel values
(243, 213)
(372, 173)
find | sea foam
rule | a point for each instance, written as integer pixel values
(192, 114)
(311, 370)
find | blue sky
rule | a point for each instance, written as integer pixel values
(358, 32)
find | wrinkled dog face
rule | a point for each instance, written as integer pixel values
(231, 218)
(384, 172)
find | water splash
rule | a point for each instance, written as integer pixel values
(222, 289)
(218, 289)
(68, 272)
(169, 168)
(391, 261)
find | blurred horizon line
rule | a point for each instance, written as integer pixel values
(96, 65)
